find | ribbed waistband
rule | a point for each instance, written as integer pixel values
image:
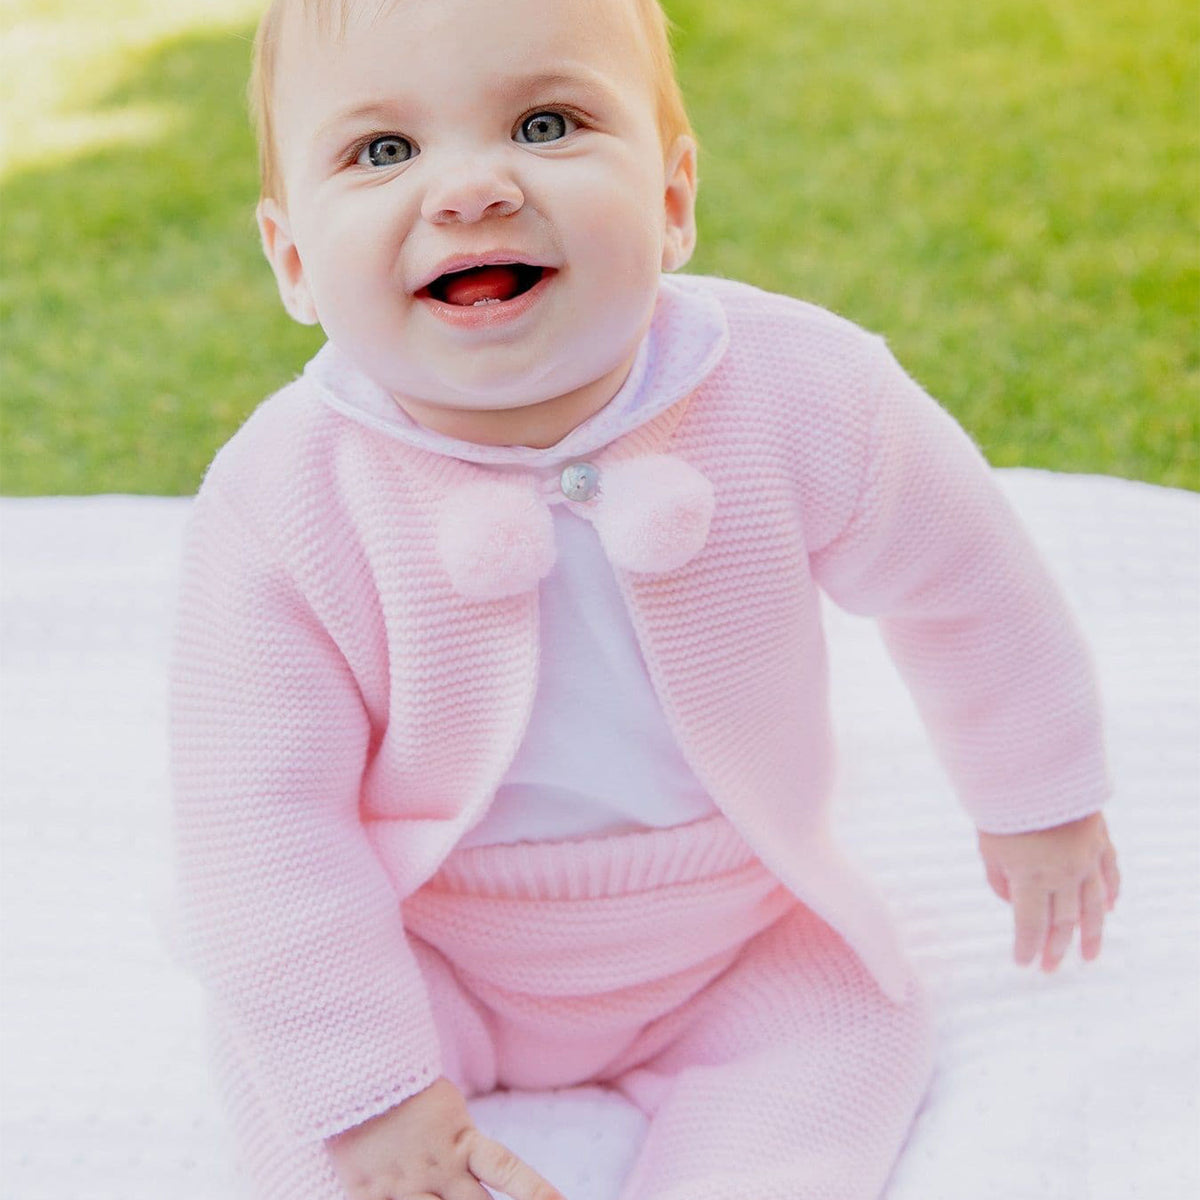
(589, 868)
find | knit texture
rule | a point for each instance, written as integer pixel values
(672, 966)
(341, 714)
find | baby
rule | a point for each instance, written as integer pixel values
(500, 729)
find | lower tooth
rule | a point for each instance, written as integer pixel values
(487, 300)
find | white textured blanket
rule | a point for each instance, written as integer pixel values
(1079, 1086)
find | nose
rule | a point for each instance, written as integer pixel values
(470, 189)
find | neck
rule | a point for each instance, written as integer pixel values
(537, 426)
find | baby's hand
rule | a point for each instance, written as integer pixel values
(426, 1147)
(1055, 879)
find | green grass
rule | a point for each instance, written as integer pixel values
(1010, 191)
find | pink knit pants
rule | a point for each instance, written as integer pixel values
(670, 965)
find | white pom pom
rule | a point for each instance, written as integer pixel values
(495, 538)
(654, 514)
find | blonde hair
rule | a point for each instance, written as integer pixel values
(332, 17)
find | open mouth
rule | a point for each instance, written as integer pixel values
(492, 284)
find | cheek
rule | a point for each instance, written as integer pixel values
(618, 232)
(347, 249)
(613, 204)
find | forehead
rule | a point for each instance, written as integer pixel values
(369, 42)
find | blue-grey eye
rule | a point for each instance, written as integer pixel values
(545, 127)
(386, 151)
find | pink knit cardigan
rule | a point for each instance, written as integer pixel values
(342, 714)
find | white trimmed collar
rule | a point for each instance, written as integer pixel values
(687, 337)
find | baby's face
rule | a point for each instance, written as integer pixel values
(477, 203)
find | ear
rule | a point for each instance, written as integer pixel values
(284, 258)
(679, 204)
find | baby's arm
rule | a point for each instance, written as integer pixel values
(992, 656)
(428, 1145)
(287, 916)
(1055, 879)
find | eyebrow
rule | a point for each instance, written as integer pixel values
(582, 78)
(372, 110)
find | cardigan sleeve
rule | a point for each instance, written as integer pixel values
(978, 629)
(286, 915)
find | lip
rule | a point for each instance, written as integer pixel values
(487, 316)
(464, 262)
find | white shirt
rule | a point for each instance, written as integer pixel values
(598, 755)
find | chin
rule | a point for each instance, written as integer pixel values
(494, 392)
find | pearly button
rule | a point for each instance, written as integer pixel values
(580, 481)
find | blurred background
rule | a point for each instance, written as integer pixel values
(1008, 190)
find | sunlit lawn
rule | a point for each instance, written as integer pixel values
(1009, 190)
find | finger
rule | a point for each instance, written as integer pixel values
(1091, 919)
(1111, 873)
(1064, 916)
(500, 1168)
(465, 1187)
(998, 881)
(1031, 912)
